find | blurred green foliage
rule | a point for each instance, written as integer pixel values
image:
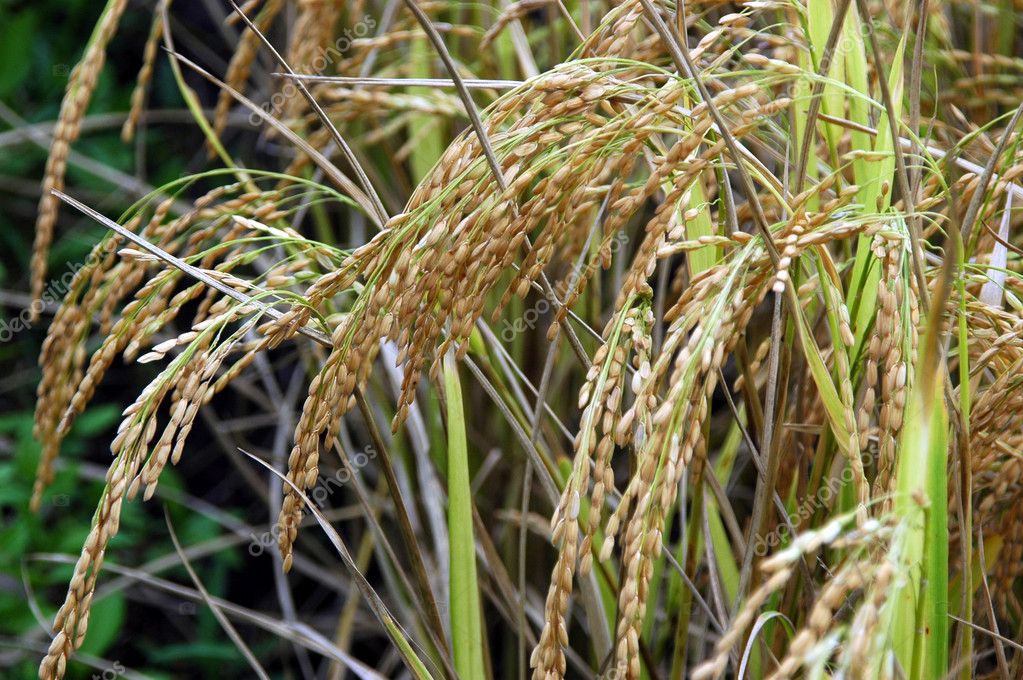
(39, 44)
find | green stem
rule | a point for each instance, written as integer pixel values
(465, 603)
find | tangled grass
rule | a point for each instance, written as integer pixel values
(820, 276)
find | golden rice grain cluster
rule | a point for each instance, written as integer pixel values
(762, 258)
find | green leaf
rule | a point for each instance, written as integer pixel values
(16, 35)
(95, 420)
(105, 622)
(833, 406)
(466, 636)
(706, 257)
(862, 294)
(920, 598)
(192, 652)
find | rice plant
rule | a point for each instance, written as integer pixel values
(697, 325)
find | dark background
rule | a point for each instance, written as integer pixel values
(135, 629)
